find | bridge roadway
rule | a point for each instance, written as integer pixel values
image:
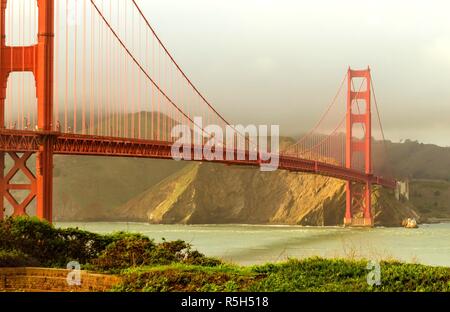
(20, 141)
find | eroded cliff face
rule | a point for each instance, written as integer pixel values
(211, 193)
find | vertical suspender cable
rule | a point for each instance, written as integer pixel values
(158, 128)
(83, 104)
(126, 77)
(118, 76)
(56, 64)
(107, 77)
(110, 71)
(169, 87)
(11, 94)
(153, 95)
(104, 79)
(30, 95)
(132, 70)
(99, 99)
(91, 100)
(66, 97)
(165, 107)
(147, 93)
(75, 59)
(20, 79)
(139, 82)
(22, 74)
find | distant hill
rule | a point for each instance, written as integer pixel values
(431, 198)
(415, 160)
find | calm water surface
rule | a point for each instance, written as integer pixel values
(255, 244)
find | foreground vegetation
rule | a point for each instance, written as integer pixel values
(174, 266)
(29, 242)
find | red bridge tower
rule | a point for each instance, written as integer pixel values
(37, 59)
(358, 197)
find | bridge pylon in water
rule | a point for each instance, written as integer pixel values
(358, 210)
(37, 59)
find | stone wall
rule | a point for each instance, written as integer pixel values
(53, 280)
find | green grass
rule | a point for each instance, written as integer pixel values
(223, 268)
(182, 277)
(307, 275)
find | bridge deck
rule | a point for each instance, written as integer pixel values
(77, 144)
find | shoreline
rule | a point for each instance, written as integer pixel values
(428, 221)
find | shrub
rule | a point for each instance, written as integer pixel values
(169, 252)
(128, 251)
(48, 245)
(196, 258)
(52, 247)
(180, 252)
(15, 258)
(136, 250)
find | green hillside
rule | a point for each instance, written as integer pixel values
(431, 198)
(415, 160)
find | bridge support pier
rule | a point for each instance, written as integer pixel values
(37, 59)
(358, 210)
(358, 205)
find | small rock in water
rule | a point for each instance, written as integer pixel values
(410, 223)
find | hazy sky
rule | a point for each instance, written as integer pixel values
(281, 61)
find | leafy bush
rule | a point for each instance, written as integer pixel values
(180, 252)
(137, 250)
(14, 258)
(196, 258)
(50, 246)
(129, 251)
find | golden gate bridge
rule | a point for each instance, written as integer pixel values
(92, 77)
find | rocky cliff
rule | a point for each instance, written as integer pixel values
(210, 193)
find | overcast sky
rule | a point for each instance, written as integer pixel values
(281, 61)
